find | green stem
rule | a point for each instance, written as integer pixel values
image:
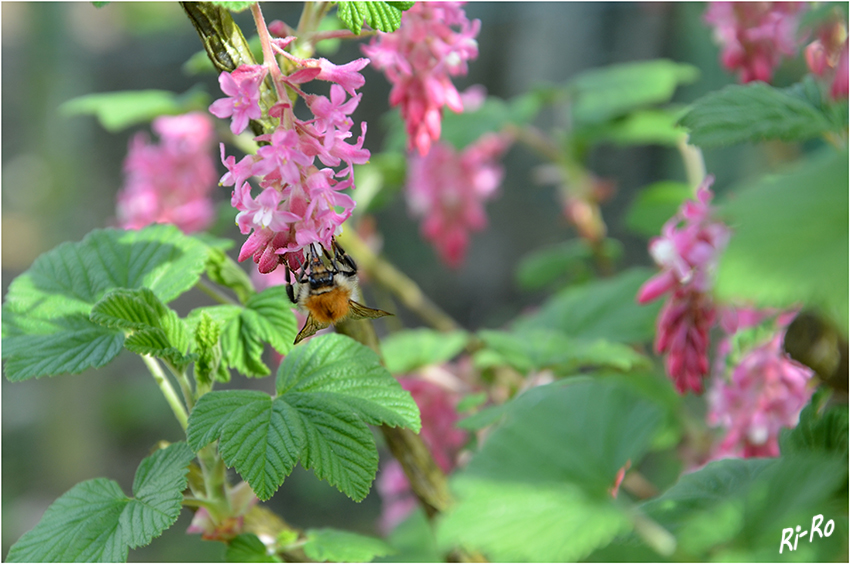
(185, 386)
(693, 161)
(167, 390)
(215, 293)
(215, 474)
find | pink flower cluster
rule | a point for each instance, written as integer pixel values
(419, 58)
(764, 393)
(170, 182)
(300, 200)
(448, 189)
(687, 252)
(827, 57)
(754, 36)
(437, 408)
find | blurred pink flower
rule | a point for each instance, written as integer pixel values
(764, 393)
(687, 252)
(754, 36)
(448, 189)
(826, 56)
(170, 182)
(419, 58)
(437, 408)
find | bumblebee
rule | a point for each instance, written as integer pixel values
(326, 287)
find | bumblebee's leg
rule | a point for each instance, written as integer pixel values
(345, 259)
(290, 291)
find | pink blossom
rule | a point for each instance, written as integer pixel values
(170, 182)
(419, 58)
(437, 407)
(298, 203)
(448, 189)
(242, 87)
(754, 36)
(687, 252)
(764, 393)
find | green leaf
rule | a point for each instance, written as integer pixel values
(729, 510)
(655, 205)
(379, 15)
(328, 390)
(520, 499)
(641, 127)
(406, 351)
(333, 545)
(47, 307)
(118, 110)
(413, 540)
(247, 547)
(819, 432)
(233, 6)
(753, 112)
(266, 317)
(154, 328)
(207, 344)
(604, 309)
(463, 129)
(95, 521)
(539, 349)
(790, 241)
(608, 92)
(562, 263)
(221, 269)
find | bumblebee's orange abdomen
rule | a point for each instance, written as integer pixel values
(330, 306)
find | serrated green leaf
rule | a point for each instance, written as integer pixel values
(790, 242)
(233, 6)
(752, 112)
(655, 205)
(154, 328)
(379, 15)
(247, 547)
(118, 110)
(95, 522)
(333, 545)
(405, 351)
(540, 349)
(68, 344)
(49, 304)
(536, 503)
(605, 309)
(207, 344)
(605, 93)
(269, 315)
(327, 390)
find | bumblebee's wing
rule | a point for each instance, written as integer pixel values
(309, 329)
(359, 311)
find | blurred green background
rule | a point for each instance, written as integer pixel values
(60, 176)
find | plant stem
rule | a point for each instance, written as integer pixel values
(185, 386)
(693, 161)
(215, 293)
(407, 291)
(167, 390)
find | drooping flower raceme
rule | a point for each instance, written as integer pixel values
(437, 407)
(765, 392)
(170, 181)
(303, 165)
(419, 60)
(754, 36)
(687, 252)
(447, 189)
